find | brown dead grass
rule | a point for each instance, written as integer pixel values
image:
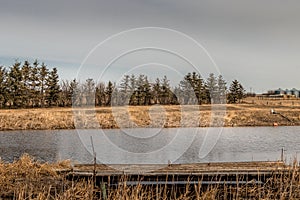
(28, 179)
(251, 112)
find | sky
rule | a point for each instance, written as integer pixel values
(254, 41)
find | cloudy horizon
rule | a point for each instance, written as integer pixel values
(256, 42)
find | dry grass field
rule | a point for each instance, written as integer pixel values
(28, 179)
(251, 112)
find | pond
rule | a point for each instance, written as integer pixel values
(140, 146)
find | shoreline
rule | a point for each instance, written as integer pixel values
(229, 115)
(71, 129)
(27, 178)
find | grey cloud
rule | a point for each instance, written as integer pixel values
(247, 38)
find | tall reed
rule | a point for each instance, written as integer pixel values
(29, 179)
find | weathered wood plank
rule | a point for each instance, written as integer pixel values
(183, 169)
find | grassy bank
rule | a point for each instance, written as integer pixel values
(250, 113)
(29, 179)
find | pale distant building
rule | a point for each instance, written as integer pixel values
(280, 93)
(295, 92)
(288, 92)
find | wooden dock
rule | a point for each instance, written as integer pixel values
(179, 169)
(232, 173)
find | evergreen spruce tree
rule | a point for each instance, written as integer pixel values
(89, 91)
(236, 92)
(124, 91)
(166, 93)
(212, 87)
(196, 83)
(156, 90)
(3, 91)
(199, 89)
(34, 84)
(133, 88)
(108, 92)
(147, 92)
(100, 95)
(116, 99)
(241, 92)
(204, 94)
(14, 85)
(186, 88)
(139, 92)
(193, 89)
(42, 78)
(74, 94)
(222, 90)
(25, 84)
(53, 88)
(176, 96)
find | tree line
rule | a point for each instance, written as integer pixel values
(25, 85)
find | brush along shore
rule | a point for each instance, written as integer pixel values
(248, 113)
(29, 179)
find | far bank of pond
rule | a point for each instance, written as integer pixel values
(230, 115)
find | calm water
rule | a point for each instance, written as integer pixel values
(179, 145)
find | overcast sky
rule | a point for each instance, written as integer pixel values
(254, 41)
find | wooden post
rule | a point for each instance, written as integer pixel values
(95, 162)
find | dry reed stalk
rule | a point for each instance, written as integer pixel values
(29, 179)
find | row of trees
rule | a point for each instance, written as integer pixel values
(26, 85)
(35, 85)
